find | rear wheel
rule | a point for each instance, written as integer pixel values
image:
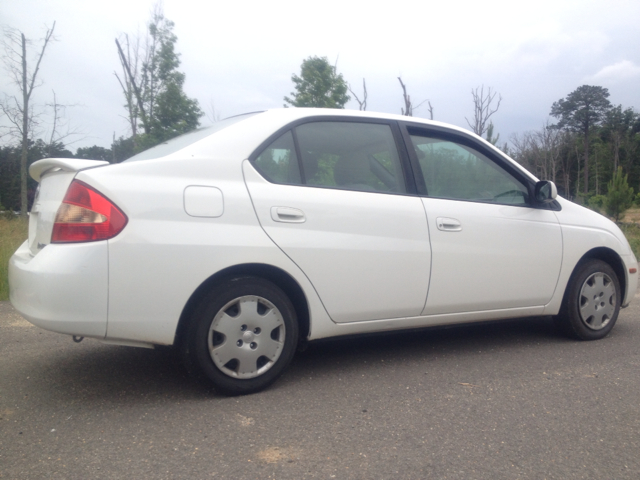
(592, 301)
(242, 336)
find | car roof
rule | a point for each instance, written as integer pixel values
(242, 138)
(293, 114)
(248, 131)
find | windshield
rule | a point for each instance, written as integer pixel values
(182, 141)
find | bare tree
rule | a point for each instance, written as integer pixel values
(213, 115)
(408, 107)
(19, 111)
(362, 104)
(540, 152)
(140, 84)
(61, 131)
(482, 109)
(430, 110)
(130, 60)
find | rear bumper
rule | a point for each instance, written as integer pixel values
(64, 288)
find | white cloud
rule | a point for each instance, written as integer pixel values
(618, 72)
(241, 55)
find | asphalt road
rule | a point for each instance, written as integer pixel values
(511, 400)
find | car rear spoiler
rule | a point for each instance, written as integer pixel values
(41, 167)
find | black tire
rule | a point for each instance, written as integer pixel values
(591, 302)
(242, 336)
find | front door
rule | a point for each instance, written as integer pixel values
(491, 249)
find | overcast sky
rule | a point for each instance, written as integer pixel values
(239, 56)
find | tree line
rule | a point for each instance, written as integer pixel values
(591, 152)
(152, 85)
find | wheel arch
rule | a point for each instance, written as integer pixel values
(277, 276)
(610, 257)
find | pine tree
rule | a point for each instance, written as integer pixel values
(620, 195)
(580, 112)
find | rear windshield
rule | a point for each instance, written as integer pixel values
(182, 141)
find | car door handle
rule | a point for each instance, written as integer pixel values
(287, 215)
(448, 224)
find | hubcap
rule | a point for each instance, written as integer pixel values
(246, 337)
(597, 301)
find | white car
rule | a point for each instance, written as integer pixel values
(240, 241)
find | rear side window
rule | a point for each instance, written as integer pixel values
(279, 162)
(343, 155)
(350, 156)
(183, 141)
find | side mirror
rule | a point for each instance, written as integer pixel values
(545, 191)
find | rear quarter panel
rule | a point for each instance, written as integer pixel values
(164, 254)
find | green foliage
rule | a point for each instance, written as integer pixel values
(490, 138)
(583, 108)
(155, 99)
(620, 195)
(326, 166)
(123, 148)
(632, 232)
(597, 202)
(564, 152)
(319, 85)
(10, 177)
(169, 112)
(277, 169)
(10, 170)
(94, 153)
(451, 171)
(581, 112)
(619, 121)
(13, 231)
(175, 113)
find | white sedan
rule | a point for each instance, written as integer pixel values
(240, 241)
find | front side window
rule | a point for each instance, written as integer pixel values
(455, 171)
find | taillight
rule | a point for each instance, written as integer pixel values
(86, 216)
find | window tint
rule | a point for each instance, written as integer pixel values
(455, 171)
(278, 162)
(351, 156)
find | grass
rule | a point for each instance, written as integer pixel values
(632, 232)
(630, 226)
(13, 231)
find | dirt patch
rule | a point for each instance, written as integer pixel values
(19, 322)
(245, 421)
(278, 455)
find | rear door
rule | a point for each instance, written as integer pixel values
(333, 196)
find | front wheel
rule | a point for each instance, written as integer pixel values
(242, 336)
(592, 302)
